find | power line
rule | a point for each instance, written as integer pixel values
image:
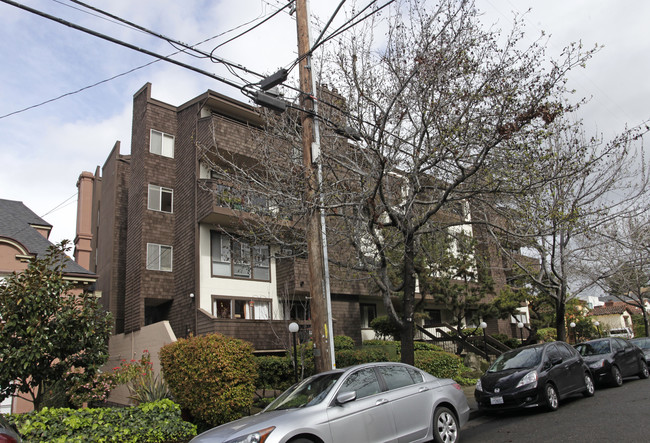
(170, 40)
(117, 21)
(250, 29)
(125, 44)
(77, 91)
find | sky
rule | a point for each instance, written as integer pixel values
(43, 150)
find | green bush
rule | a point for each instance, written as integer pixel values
(385, 328)
(274, 372)
(547, 334)
(211, 376)
(343, 342)
(424, 346)
(148, 422)
(508, 341)
(440, 364)
(352, 357)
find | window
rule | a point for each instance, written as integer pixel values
(161, 144)
(368, 314)
(396, 376)
(233, 258)
(242, 309)
(364, 382)
(159, 257)
(434, 318)
(160, 199)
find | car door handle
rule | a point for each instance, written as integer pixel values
(381, 401)
(423, 388)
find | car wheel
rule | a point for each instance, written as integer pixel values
(617, 378)
(445, 426)
(552, 398)
(645, 373)
(301, 440)
(589, 385)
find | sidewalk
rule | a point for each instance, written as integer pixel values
(471, 401)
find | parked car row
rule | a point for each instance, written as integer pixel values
(542, 375)
(611, 359)
(374, 402)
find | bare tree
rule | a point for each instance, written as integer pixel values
(443, 111)
(620, 264)
(593, 184)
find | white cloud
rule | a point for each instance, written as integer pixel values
(44, 150)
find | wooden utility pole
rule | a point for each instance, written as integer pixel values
(321, 335)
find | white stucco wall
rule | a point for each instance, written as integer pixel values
(232, 287)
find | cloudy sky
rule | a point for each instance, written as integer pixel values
(44, 149)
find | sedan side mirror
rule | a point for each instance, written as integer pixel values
(346, 397)
(556, 361)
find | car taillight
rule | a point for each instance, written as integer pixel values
(457, 386)
(4, 438)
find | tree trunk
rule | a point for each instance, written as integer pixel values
(560, 323)
(408, 308)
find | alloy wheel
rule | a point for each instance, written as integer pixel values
(552, 399)
(445, 426)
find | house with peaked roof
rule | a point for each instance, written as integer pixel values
(613, 315)
(23, 236)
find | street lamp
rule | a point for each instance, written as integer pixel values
(597, 325)
(520, 325)
(483, 326)
(573, 328)
(293, 328)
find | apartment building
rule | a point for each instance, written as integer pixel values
(163, 240)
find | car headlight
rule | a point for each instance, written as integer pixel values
(597, 364)
(254, 437)
(479, 386)
(528, 379)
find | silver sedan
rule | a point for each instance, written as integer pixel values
(374, 402)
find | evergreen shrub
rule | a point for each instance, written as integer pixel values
(159, 421)
(211, 376)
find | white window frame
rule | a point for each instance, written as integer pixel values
(155, 198)
(154, 254)
(243, 261)
(252, 308)
(167, 143)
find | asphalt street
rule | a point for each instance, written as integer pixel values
(613, 414)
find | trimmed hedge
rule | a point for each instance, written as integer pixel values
(148, 422)
(440, 364)
(211, 376)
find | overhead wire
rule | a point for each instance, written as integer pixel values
(117, 20)
(125, 44)
(173, 42)
(253, 27)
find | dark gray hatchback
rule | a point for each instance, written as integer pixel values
(532, 376)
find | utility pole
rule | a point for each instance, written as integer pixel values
(320, 317)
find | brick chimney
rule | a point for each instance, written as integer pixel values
(82, 246)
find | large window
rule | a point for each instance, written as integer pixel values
(233, 258)
(159, 257)
(240, 308)
(160, 199)
(161, 144)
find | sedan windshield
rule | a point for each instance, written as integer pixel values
(594, 348)
(518, 359)
(308, 392)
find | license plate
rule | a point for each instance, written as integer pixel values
(496, 400)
